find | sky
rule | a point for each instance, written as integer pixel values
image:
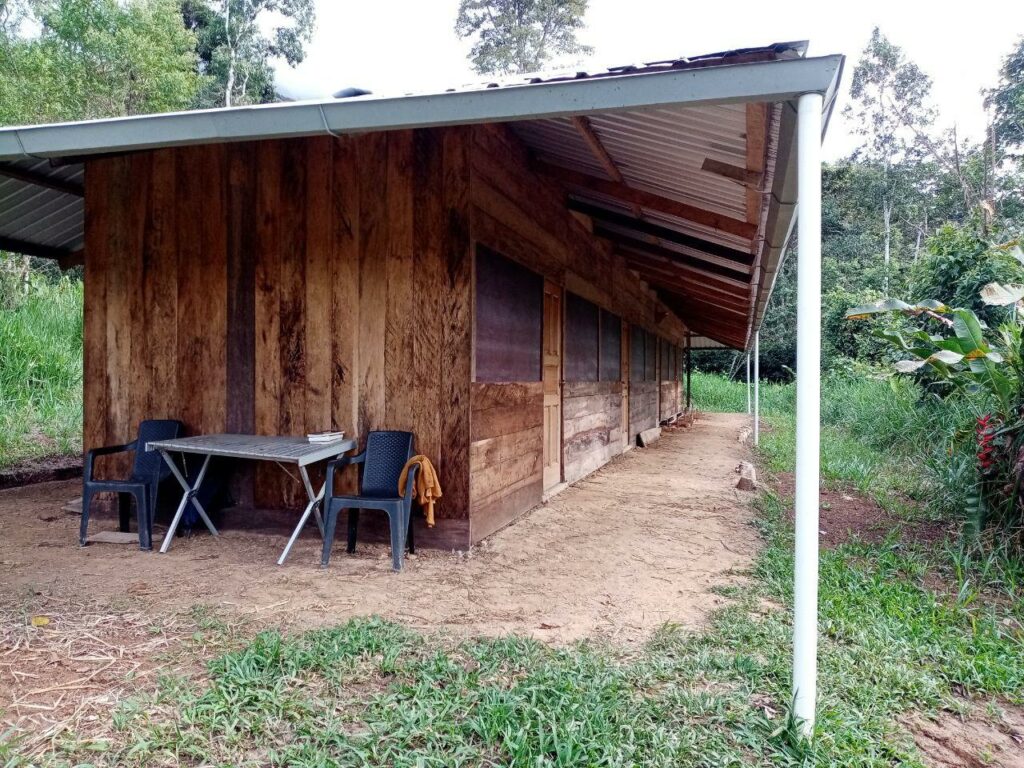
(410, 45)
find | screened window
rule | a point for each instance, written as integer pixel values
(637, 342)
(611, 347)
(582, 339)
(509, 316)
(650, 357)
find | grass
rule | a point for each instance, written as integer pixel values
(40, 368)
(370, 692)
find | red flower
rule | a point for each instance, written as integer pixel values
(985, 439)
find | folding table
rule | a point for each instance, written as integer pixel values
(278, 449)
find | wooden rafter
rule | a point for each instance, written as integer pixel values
(601, 214)
(63, 256)
(714, 268)
(733, 172)
(42, 180)
(598, 150)
(641, 256)
(650, 200)
(757, 142)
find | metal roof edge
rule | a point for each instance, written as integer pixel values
(780, 80)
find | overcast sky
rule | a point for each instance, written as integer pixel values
(410, 45)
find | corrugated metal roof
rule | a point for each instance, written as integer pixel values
(41, 206)
(656, 154)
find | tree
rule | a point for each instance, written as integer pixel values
(234, 51)
(516, 36)
(95, 58)
(1007, 101)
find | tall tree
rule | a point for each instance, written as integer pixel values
(79, 59)
(889, 111)
(237, 41)
(516, 36)
(1007, 102)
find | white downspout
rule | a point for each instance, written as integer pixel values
(757, 388)
(808, 412)
(749, 409)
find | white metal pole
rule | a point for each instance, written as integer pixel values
(749, 409)
(808, 412)
(757, 388)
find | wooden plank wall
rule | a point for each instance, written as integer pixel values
(283, 287)
(522, 216)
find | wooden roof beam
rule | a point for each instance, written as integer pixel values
(586, 131)
(600, 213)
(634, 254)
(41, 180)
(738, 272)
(63, 256)
(757, 142)
(650, 200)
(733, 172)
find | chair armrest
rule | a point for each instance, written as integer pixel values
(337, 464)
(410, 483)
(106, 450)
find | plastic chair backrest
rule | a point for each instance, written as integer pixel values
(386, 455)
(149, 463)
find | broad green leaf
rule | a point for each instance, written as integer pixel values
(879, 307)
(998, 295)
(946, 356)
(968, 331)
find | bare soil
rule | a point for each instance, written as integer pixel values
(640, 542)
(41, 470)
(993, 740)
(846, 514)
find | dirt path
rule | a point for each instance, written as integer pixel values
(634, 545)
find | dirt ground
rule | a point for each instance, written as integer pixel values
(636, 544)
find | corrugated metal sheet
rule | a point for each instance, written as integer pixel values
(40, 215)
(716, 280)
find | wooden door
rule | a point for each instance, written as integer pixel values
(552, 377)
(624, 367)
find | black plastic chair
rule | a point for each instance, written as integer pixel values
(383, 459)
(148, 470)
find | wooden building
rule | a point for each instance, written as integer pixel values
(512, 273)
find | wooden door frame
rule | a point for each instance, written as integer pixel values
(554, 289)
(625, 350)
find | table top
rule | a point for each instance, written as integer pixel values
(286, 449)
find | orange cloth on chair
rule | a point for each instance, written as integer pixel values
(427, 490)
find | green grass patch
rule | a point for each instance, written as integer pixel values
(373, 693)
(40, 368)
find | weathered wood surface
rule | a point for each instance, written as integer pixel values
(506, 453)
(592, 426)
(289, 287)
(643, 406)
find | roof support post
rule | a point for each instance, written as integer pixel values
(808, 412)
(749, 409)
(757, 388)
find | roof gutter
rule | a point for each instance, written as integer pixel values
(781, 80)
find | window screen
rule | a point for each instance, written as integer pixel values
(636, 353)
(581, 339)
(611, 347)
(651, 357)
(509, 313)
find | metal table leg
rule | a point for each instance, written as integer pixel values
(313, 507)
(189, 495)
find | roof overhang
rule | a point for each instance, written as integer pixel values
(629, 165)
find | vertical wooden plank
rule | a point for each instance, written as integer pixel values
(429, 268)
(214, 286)
(319, 246)
(399, 329)
(345, 286)
(139, 348)
(95, 386)
(456, 353)
(118, 318)
(292, 211)
(373, 250)
(159, 286)
(267, 403)
(241, 275)
(345, 294)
